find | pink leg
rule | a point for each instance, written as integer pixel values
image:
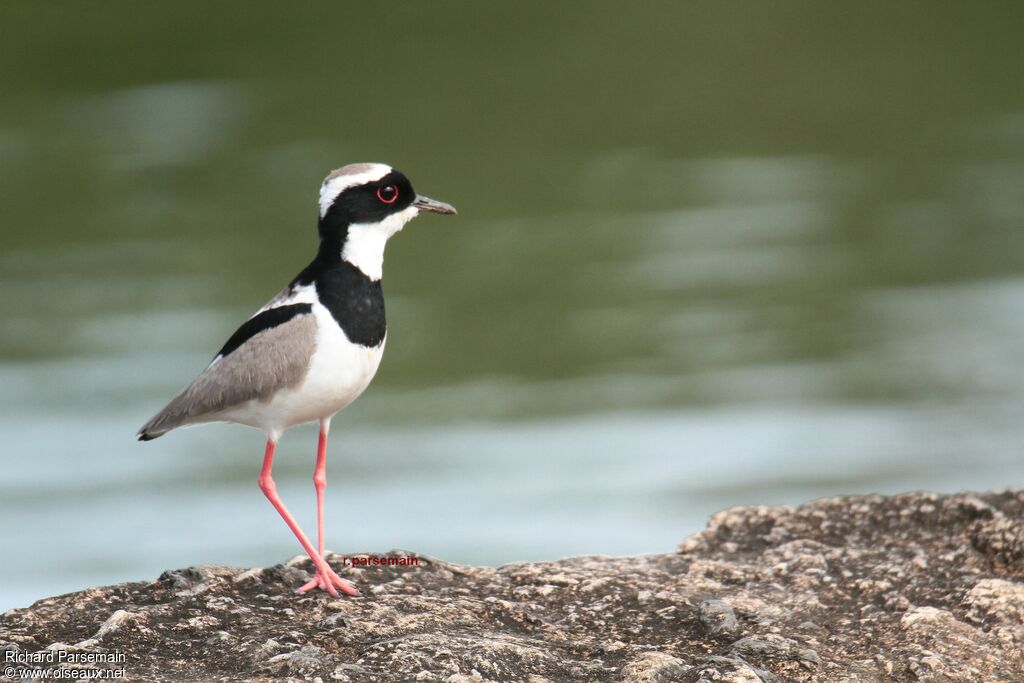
(320, 483)
(269, 489)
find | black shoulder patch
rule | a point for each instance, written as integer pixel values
(268, 319)
(355, 301)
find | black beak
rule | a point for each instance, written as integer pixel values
(427, 204)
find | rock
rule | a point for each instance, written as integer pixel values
(718, 618)
(333, 621)
(996, 602)
(917, 587)
(305, 661)
(654, 667)
(114, 623)
(767, 647)
(728, 670)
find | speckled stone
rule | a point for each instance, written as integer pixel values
(918, 587)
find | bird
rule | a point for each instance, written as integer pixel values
(315, 346)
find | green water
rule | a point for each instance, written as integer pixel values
(706, 254)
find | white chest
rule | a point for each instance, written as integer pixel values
(339, 371)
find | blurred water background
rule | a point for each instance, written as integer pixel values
(707, 255)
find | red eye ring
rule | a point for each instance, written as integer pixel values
(393, 191)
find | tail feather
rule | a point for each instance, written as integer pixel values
(179, 412)
(155, 427)
(200, 401)
(148, 436)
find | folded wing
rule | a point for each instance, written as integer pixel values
(269, 352)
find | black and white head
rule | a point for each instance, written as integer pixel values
(361, 206)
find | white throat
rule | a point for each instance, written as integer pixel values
(364, 246)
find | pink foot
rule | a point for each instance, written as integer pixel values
(329, 583)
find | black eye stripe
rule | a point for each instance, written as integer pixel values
(369, 202)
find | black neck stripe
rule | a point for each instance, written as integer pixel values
(355, 301)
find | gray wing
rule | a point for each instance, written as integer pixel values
(266, 361)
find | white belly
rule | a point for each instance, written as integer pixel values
(339, 372)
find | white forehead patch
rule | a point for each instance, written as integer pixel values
(339, 180)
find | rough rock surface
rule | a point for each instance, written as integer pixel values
(918, 587)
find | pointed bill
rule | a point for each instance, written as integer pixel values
(427, 204)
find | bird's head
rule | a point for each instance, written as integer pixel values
(362, 205)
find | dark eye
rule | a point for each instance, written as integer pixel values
(387, 194)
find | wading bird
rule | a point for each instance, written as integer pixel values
(313, 348)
